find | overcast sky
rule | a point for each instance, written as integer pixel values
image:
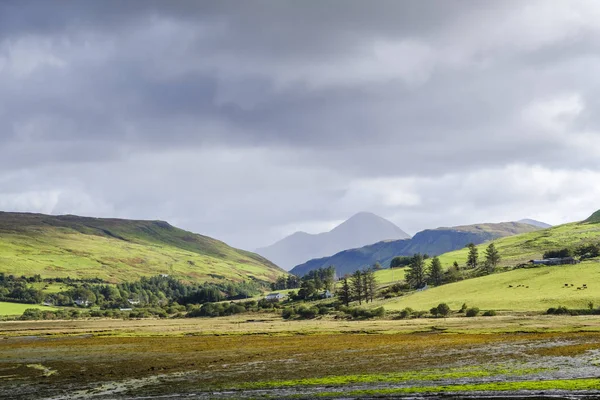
(249, 120)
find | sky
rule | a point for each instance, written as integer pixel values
(248, 121)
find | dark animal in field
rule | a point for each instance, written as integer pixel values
(566, 284)
(526, 287)
(584, 285)
(578, 288)
(509, 285)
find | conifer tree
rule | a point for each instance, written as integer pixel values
(436, 275)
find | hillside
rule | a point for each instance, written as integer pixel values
(533, 222)
(361, 229)
(430, 241)
(117, 250)
(533, 289)
(594, 218)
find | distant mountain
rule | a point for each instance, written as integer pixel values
(533, 222)
(430, 241)
(361, 229)
(117, 250)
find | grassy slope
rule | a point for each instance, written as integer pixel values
(18, 309)
(545, 289)
(546, 284)
(117, 250)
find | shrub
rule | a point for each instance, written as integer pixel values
(489, 313)
(443, 309)
(288, 313)
(406, 313)
(562, 253)
(472, 312)
(463, 309)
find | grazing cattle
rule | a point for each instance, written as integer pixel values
(509, 285)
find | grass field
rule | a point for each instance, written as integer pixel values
(535, 289)
(118, 250)
(11, 309)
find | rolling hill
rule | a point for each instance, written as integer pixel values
(533, 289)
(117, 250)
(361, 229)
(430, 241)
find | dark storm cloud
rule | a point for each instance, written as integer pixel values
(247, 119)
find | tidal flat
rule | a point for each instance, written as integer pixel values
(237, 357)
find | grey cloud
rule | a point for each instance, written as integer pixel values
(240, 118)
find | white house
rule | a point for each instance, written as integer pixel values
(274, 296)
(81, 302)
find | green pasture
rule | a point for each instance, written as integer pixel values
(10, 309)
(533, 289)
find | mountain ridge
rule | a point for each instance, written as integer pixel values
(361, 229)
(431, 241)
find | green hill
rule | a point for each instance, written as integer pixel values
(430, 241)
(594, 218)
(533, 289)
(116, 250)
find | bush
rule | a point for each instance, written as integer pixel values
(406, 313)
(443, 309)
(472, 312)
(562, 253)
(561, 310)
(489, 313)
(463, 309)
(288, 313)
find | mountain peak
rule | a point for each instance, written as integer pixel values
(359, 230)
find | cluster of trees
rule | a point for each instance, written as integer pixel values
(62, 314)
(286, 282)
(360, 286)
(157, 291)
(19, 290)
(584, 252)
(339, 310)
(491, 261)
(419, 274)
(316, 282)
(400, 261)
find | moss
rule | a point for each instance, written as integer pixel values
(423, 375)
(561, 384)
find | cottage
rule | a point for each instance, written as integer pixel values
(326, 295)
(274, 297)
(125, 309)
(83, 303)
(133, 302)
